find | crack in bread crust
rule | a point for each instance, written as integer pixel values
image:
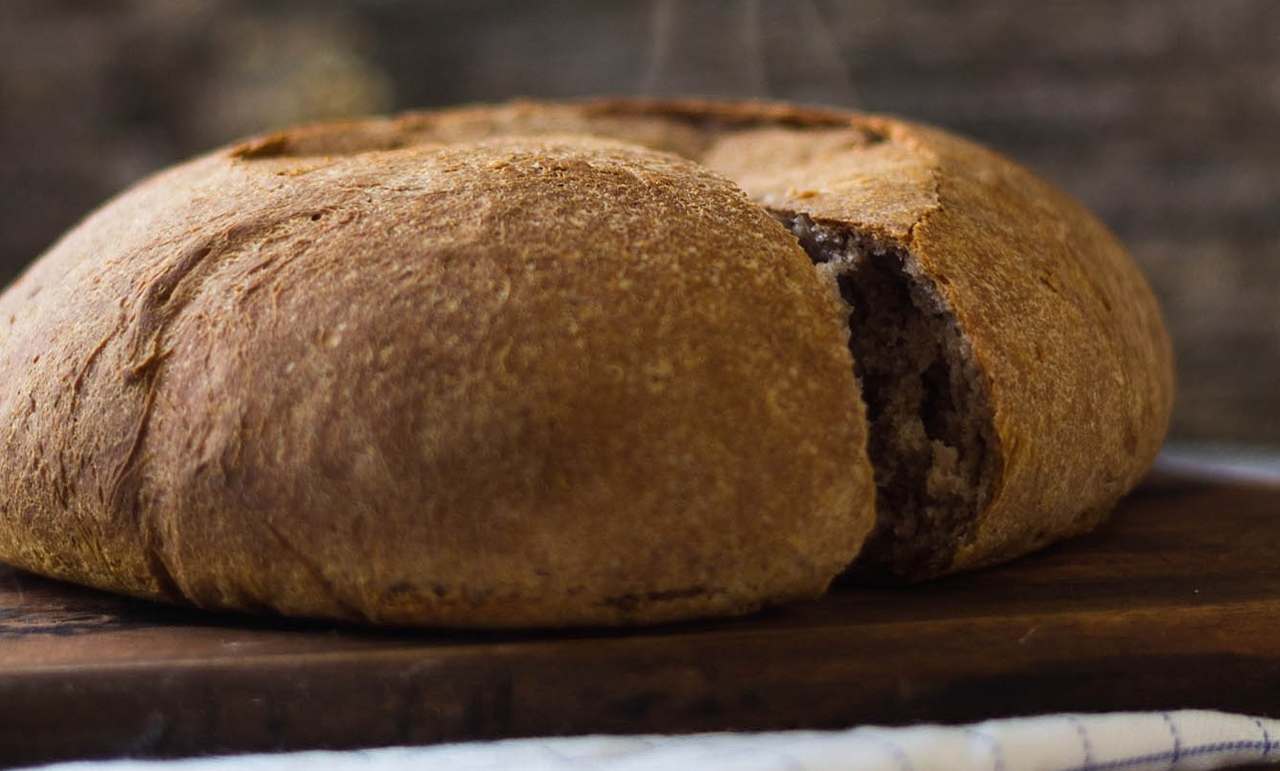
(929, 412)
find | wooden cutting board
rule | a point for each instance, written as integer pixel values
(1175, 603)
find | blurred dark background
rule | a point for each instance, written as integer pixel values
(1164, 117)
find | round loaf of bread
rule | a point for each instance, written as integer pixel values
(556, 364)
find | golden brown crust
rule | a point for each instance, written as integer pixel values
(447, 368)
(518, 382)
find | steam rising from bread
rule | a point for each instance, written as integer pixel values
(754, 56)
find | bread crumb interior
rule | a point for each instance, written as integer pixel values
(926, 405)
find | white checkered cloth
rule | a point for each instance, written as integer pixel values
(1137, 741)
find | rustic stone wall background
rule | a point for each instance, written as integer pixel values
(1165, 117)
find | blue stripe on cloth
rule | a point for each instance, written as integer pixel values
(899, 754)
(993, 744)
(1170, 755)
(1084, 739)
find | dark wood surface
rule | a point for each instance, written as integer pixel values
(1175, 603)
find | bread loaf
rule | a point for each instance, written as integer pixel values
(557, 364)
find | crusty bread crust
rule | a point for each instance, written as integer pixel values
(516, 382)
(502, 366)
